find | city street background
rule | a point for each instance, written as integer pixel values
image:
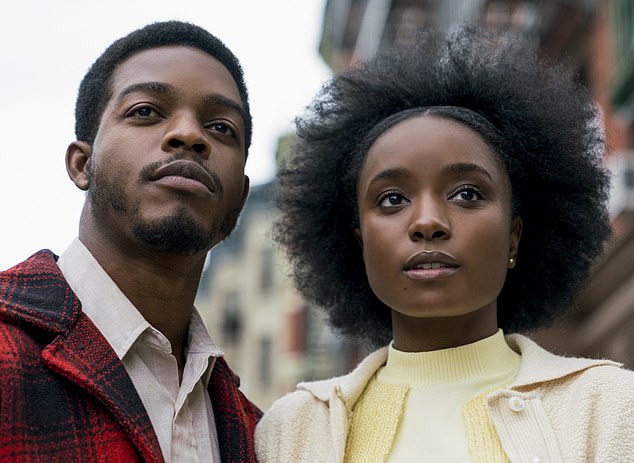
(288, 48)
(47, 46)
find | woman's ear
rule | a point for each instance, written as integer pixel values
(357, 235)
(77, 155)
(516, 236)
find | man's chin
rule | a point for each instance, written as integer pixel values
(176, 235)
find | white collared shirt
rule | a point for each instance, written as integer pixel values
(181, 414)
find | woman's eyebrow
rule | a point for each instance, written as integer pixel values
(466, 168)
(450, 170)
(389, 174)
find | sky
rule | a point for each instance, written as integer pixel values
(47, 46)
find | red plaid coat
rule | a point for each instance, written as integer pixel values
(64, 394)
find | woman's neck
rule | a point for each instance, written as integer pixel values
(426, 334)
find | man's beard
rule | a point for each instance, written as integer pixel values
(177, 233)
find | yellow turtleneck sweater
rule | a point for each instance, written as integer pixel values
(429, 406)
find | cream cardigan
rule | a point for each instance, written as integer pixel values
(558, 410)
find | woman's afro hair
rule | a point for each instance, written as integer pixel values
(548, 135)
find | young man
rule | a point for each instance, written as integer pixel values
(103, 356)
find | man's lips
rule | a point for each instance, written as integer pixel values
(186, 170)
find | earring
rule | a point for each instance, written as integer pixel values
(512, 260)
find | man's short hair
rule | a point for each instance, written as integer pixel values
(95, 87)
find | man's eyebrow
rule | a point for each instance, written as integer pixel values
(162, 88)
(215, 99)
(148, 87)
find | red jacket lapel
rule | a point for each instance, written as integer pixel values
(35, 295)
(84, 357)
(235, 415)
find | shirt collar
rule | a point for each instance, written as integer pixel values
(198, 339)
(536, 366)
(482, 360)
(112, 312)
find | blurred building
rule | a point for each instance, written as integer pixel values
(594, 37)
(273, 339)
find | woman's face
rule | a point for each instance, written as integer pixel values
(435, 223)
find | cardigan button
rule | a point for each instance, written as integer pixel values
(517, 404)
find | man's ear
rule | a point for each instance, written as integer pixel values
(77, 155)
(245, 191)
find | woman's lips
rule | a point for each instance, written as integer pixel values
(430, 265)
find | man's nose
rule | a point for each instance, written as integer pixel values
(186, 133)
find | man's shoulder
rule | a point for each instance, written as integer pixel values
(227, 398)
(18, 344)
(38, 271)
(41, 260)
(34, 293)
(23, 308)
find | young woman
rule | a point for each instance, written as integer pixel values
(439, 199)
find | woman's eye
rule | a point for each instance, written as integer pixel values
(392, 199)
(467, 193)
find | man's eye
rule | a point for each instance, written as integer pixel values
(144, 111)
(392, 199)
(222, 128)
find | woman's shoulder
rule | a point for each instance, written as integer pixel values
(590, 383)
(297, 401)
(296, 428)
(608, 379)
(312, 399)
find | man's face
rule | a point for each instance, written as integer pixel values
(166, 169)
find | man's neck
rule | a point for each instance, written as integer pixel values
(161, 286)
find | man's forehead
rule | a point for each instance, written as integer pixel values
(175, 63)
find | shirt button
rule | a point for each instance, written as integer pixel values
(540, 460)
(517, 405)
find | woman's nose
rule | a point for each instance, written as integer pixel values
(429, 221)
